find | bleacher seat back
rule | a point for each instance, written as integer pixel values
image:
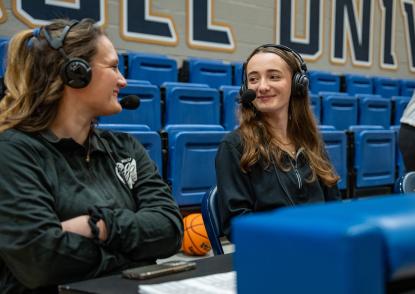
(340, 111)
(400, 103)
(323, 81)
(192, 105)
(315, 103)
(237, 73)
(398, 154)
(215, 73)
(211, 219)
(230, 95)
(3, 57)
(152, 67)
(358, 84)
(191, 166)
(336, 147)
(407, 87)
(137, 82)
(171, 85)
(374, 159)
(152, 143)
(374, 110)
(149, 139)
(125, 127)
(147, 113)
(386, 87)
(121, 63)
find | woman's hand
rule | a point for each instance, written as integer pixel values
(79, 225)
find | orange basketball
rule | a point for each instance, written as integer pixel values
(195, 239)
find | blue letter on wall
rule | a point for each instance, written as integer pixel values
(203, 31)
(387, 49)
(347, 25)
(40, 12)
(309, 45)
(407, 10)
(139, 23)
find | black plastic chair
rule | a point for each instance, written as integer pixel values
(406, 183)
(211, 219)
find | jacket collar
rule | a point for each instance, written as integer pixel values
(96, 143)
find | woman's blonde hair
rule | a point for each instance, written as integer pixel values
(259, 143)
(33, 82)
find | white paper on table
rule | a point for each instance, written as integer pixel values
(224, 283)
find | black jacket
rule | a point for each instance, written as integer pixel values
(44, 181)
(262, 189)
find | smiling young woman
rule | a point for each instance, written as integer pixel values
(276, 157)
(76, 202)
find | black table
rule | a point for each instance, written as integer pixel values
(117, 284)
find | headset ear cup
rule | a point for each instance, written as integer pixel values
(300, 84)
(76, 73)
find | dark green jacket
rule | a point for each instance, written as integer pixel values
(44, 181)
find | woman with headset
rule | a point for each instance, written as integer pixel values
(76, 202)
(276, 157)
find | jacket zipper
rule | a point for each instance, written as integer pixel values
(297, 174)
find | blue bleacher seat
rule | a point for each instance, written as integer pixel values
(374, 156)
(237, 73)
(191, 164)
(155, 68)
(339, 111)
(374, 110)
(215, 73)
(149, 139)
(124, 127)
(386, 87)
(211, 219)
(152, 143)
(324, 81)
(137, 82)
(192, 105)
(399, 103)
(148, 113)
(169, 85)
(336, 147)
(407, 87)
(315, 102)
(3, 56)
(358, 84)
(121, 63)
(398, 154)
(229, 107)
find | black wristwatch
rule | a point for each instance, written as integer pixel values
(95, 215)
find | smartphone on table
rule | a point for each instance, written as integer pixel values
(158, 270)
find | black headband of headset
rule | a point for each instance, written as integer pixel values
(303, 66)
(57, 43)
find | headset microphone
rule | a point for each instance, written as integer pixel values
(247, 97)
(130, 102)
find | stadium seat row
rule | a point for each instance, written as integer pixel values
(188, 103)
(158, 69)
(185, 156)
(342, 110)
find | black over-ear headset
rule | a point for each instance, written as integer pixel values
(75, 72)
(299, 85)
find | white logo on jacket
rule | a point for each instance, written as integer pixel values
(126, 170)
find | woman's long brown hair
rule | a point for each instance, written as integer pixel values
(34, 86)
